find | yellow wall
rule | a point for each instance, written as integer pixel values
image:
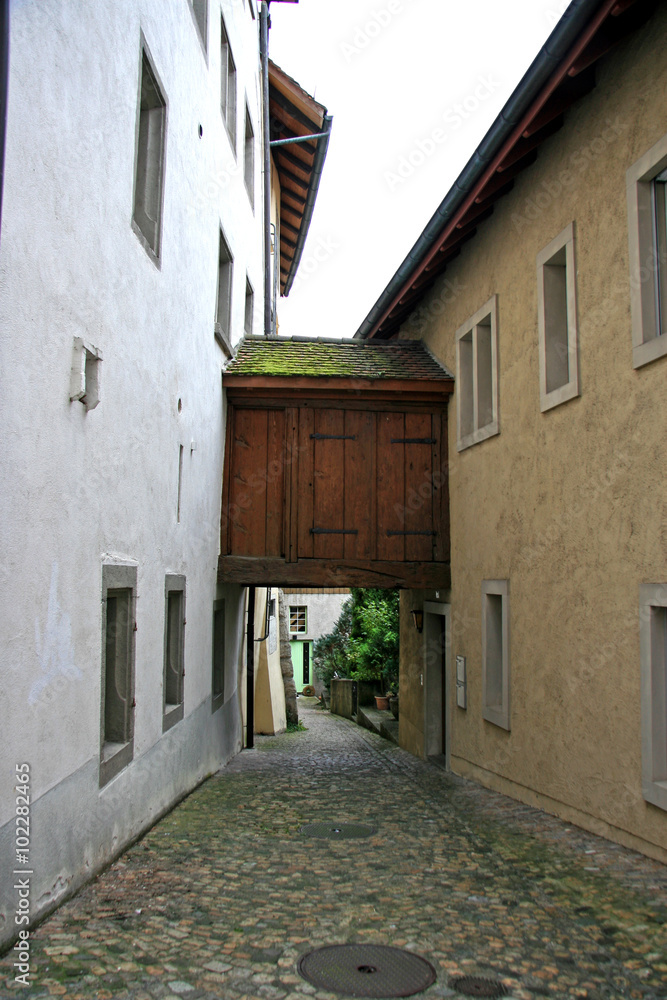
(569, 505)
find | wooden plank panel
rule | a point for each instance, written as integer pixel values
(332, 573)
(291, 482)
(248, 483)
(329, 494)
(390, 463)
(302, 501)
(275, 479)
(357, 482)
(418, 487)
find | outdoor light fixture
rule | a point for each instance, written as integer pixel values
(418, 619)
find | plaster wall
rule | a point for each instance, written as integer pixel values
(568, 505)
(270, 715)
(83, 488)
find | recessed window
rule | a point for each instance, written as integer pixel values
(200, 13)
(653, 660)
(477, 376)
(249, 158)
(249, 306)
(227, 85)
(174, 650)
(557, 321)
(297, 618)
(149, 160)
(495, 652)
(85, 374)
(223, 310)
(218, 681)
(119, 584)
(647, 234)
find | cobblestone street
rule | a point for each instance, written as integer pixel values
(222, 897)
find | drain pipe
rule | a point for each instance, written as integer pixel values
(250, 672)
(264, 52)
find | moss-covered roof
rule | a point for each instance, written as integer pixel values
(318, 357)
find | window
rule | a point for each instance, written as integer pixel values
(249, 158)
(297, 618)
(477, 378)
(218, 684)
(85, 374)
(149, 160)
(174, 650)
(249, 306)
(119, 585)
(653, 660)
(557, 321)
(198, 8)
(647, 234)
(223, 309)
(495, 653)
(227, 85)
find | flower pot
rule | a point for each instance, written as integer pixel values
(382, 703)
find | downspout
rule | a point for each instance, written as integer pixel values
(264, 52)
(250, 672)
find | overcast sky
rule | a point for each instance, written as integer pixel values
(413, 86)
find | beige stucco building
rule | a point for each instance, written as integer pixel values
(553, 315)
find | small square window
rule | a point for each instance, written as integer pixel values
(557, 321)
(297, 618)
(119, 587)
(495, 653)
(223, 309)
(647, 235)
(249, 158)
(653, 662)
(477, 376)
(174, 650)
(227, 85)
(149, 159)
(85, 374)
(218, 680)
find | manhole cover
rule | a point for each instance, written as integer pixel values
(361, 970)
(338, 831)
(478, 986)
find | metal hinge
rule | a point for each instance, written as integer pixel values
(334, 531)
(333, 437)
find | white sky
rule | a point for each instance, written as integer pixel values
(392, 72)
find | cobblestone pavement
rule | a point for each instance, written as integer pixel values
(221, 898)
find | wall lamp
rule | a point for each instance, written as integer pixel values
(418, 619)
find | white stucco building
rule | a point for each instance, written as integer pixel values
(131, 257)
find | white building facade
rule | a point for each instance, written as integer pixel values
(131, 258)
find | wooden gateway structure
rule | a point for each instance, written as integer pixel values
(335, 465)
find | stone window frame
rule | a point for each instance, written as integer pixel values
(249, 156)
(115, 756)
(172, 712)
(653, 670)
(560, 252)
(228, 84)
(223, 303)
(496, 711)
(199, 11)
(141, 222)
(467, 375)
(648, 343)
(249, 311)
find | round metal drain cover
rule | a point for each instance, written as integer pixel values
(477, 986)
(367, 970)
(338, 831)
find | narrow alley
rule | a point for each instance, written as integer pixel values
(226, 893)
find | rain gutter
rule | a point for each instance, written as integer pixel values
(311, 196)
(565, 35)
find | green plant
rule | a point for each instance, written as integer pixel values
(330, 652)
(374, 640)
(296, 727)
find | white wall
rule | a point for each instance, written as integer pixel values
(81, 488)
